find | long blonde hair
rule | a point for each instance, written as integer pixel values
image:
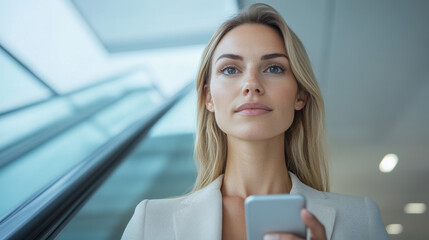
(304, 140)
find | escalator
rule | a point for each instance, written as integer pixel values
(81, 162)
(161, 166)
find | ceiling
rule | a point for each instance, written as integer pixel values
(153, 24)
(371, 59)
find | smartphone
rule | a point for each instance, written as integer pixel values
(275, 213)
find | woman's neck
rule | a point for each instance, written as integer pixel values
(255, 167)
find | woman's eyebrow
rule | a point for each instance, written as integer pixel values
(232, 56)
(265, 57)
(273, 55)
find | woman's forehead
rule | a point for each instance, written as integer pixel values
(250, 40)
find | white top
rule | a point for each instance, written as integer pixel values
(199, 215)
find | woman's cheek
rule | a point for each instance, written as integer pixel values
(222, 107)
(222, 95)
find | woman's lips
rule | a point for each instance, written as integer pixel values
(253, 109)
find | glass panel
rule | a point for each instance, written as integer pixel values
(162, 166)
(19, 125)
(132, 81)
(40, 166)
(18, 86)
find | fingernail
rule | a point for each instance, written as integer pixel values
(307, 213)
(271, 236)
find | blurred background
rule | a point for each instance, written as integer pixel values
(78, 79)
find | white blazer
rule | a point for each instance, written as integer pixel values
(199, 215)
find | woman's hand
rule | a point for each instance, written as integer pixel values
(317, 230)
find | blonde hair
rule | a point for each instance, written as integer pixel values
(304, 140)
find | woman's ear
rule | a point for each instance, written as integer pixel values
(301, 100)
(209, 100)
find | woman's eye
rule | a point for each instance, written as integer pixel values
(229, 70)
(274, 69)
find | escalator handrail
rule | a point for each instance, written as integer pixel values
(47, 212)
(24, 145)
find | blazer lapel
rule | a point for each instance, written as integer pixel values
(315, 200)
(199, 216)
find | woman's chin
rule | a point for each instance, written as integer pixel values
(253, 136)
(253, 131)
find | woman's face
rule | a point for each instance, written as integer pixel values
(250, 66)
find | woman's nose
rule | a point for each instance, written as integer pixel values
(252, 85)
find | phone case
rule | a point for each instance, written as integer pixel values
(276, 213)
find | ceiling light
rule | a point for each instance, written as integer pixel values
(394, 229)
(415, 208)
(388, 163)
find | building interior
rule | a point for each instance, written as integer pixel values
(98, 106)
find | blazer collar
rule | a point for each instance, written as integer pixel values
(199, 215)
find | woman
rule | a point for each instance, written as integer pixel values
(260, 130)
